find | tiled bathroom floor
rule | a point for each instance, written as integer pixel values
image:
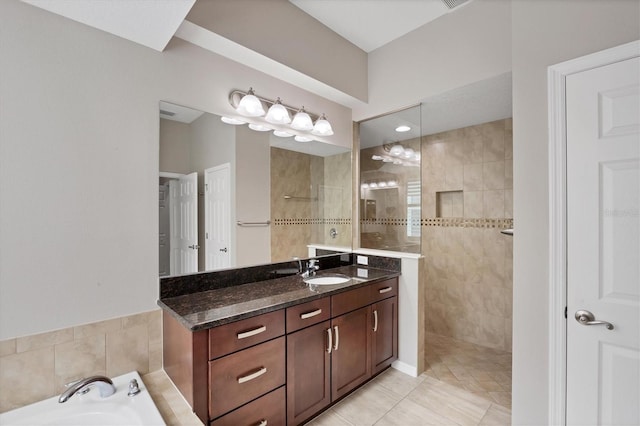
(464, 384)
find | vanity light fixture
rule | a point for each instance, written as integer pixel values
(259, 127)
(300, 138)
(402, 129)
(250, 105)
(302, 121)
(279, 114)
(282, 134)
(322, 127)
(231, 120)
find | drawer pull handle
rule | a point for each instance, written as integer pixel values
(329, 341)
(252, 376)
(253, 332)
(375, 320)
(310, 314)
(335, 346)
(385, 290)
(263, 422)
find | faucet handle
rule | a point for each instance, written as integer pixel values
(134, 389)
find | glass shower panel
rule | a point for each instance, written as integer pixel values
(390, 181)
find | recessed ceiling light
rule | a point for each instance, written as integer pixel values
(403, 129)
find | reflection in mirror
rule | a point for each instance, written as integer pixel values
(230, 196)
(390, 181)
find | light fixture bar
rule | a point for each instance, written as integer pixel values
(236, 95)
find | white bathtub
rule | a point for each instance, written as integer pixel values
(90, 409)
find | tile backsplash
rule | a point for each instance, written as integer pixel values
(37, 367)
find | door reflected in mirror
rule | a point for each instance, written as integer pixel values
(233, 197)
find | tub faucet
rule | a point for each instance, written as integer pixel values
(104, 385)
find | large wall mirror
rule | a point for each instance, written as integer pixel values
(232, 197)
(390, 181)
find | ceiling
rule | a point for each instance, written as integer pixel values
(370, 24)
(149, 23)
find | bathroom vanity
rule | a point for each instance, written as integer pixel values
(280, 351)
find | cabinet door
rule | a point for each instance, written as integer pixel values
(384, 341)
(308, 372)
(351, 354)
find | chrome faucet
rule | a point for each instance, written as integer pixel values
(104, 385)
(310, 269)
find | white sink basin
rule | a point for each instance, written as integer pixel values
(327, 279)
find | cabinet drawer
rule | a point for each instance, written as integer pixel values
(232, 337)
(241, 377)
(266, 410)
(383, 290)
(350, 300)
(306, 314)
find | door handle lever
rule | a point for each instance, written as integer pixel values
(587, 318)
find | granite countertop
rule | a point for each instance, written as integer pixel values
(202, 310)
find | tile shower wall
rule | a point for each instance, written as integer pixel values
(467, 198)
(37, 367)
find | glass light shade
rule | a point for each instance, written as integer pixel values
(300, 138)
(231, 120)
(282, 134)
(259, 127)
(302, 121)
(382, 184)
(278, 114)
(392, 183)
(373, 185)
(408, 153)
(322, 127)
(250, 105)
(396, 150)
(365, 186)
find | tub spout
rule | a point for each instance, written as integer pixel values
(104, 385)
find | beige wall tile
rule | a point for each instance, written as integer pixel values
(128, 350)
(472, 180)
(7, 347)
(43, 340)
(493, 204)
(26, 377)
(473, 204)
(493, 175)
(80, 358)
(493, 141)
(100, 327)
(473, 147)
(454, 177)
(508, 203)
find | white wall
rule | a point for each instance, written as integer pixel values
(470, 44)
(65, 258)
(545, 33)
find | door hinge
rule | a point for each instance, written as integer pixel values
(565, 312)
(206, 186)
(206, 236)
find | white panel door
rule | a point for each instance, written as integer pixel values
(184, 224)
(603, 245)
(217, 211)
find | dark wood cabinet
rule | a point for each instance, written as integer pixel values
(350, 357)
(384, 336)
(287, 365)
(308, 372)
